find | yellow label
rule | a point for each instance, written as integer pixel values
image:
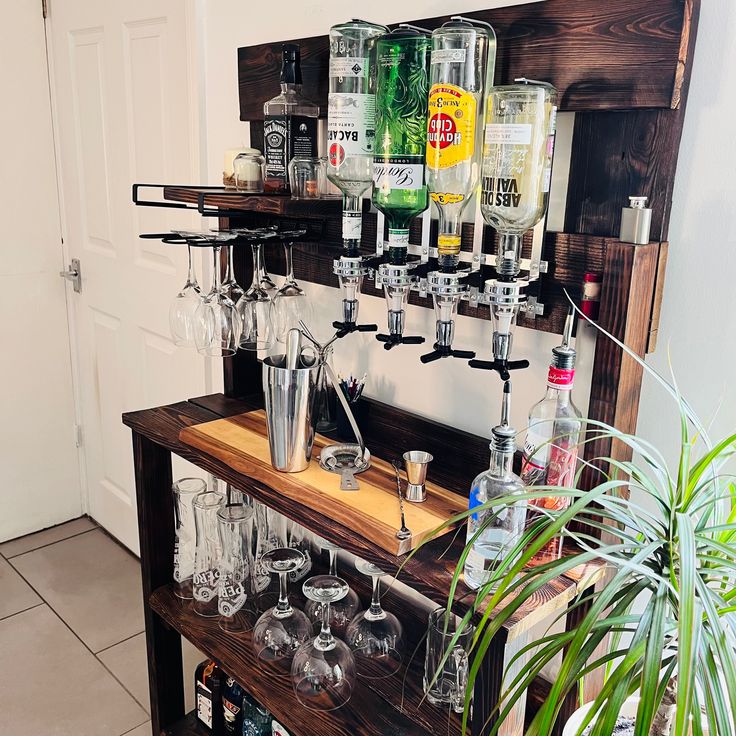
(451, 126)
(447, 240)
(446, 197)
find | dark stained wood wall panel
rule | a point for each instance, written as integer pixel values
(600, 55)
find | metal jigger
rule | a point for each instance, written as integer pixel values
(397, 281)
(416, 462)
(350, 271)
(447, 290)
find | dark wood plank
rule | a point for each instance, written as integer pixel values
(657, 298)
(600, 55)
(156, 533)
(617, 155)
(187, 726)
(367, 713)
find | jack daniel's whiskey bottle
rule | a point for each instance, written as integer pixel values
(290, 124)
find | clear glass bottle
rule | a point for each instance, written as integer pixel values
(462, 61)
(517, 163)
(553, 437)
(290, 124)
(500, 527)
(399, 190)
(351, 118)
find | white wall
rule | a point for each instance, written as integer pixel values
(451, 392)
(38, 456)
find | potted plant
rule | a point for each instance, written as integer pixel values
(667, 615)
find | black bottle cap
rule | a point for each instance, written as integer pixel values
(291, 71)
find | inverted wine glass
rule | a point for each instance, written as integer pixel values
(323, 670)
(343, 610)
(280, 631)
(376, 636)
(229, 285)
(184, 306)
(290, 303)
(254, 309)
(217, 324)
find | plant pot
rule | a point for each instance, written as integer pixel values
(627, 711)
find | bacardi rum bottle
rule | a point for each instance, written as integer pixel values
(462, 60)
(290, 124)
(351, 118)
(498, 528)
(399, 190)
(553, 437)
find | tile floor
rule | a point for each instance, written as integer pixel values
(72, 648)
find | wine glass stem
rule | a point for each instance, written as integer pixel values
(216, 275)
(333, 562)
(230, 270)
(289, 262)
(191, 276)
(256, 247)
(325, 640)
(283, 607)
(375, 612)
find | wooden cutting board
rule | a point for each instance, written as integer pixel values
(241, 442)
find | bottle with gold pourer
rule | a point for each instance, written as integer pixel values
(462, 61)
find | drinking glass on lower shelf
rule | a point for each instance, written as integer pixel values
(445, 681)
(376, 636)
(343, 610)
(184, 490)
(207, 553)
(235, 584)
(280, 631)
(323, 670)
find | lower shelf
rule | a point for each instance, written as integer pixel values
(187, 726)
(391, 707)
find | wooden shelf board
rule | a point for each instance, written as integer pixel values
(393, 707)
(429, 571)
(269, 204)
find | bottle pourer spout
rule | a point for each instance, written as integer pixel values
(567, 332)
(506, 406)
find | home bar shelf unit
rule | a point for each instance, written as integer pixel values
(624, 69)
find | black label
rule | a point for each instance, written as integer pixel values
(285, 137)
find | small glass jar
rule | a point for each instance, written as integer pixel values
(249, 168)
(304, 177)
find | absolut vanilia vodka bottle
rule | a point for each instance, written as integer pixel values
(498, 528)
(553, 437)
(351, 118)
(463, 58)
(517, 163)
(399, 190)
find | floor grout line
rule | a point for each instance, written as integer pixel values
(49, 544)
(30, 608)
(122, 641)
(148, 720)
(79, 638)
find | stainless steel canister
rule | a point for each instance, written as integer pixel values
(289, 399)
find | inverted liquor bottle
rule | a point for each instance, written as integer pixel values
(553, 437)
(517, 164)
(290, 124)
(351, 118)
(495, 531)
(462, 60)
(399, 189)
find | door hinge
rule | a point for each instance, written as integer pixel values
(78, 435)
(74, 274)
(45, 8)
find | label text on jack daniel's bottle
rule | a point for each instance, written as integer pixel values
(500, 192)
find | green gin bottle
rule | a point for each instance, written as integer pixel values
(399, 190)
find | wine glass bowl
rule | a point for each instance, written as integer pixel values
(280, 631)
(375, 635)
(323, 670)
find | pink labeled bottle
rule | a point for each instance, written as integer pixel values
(553, 437)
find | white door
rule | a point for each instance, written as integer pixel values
(122, 84)
(38, 453)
